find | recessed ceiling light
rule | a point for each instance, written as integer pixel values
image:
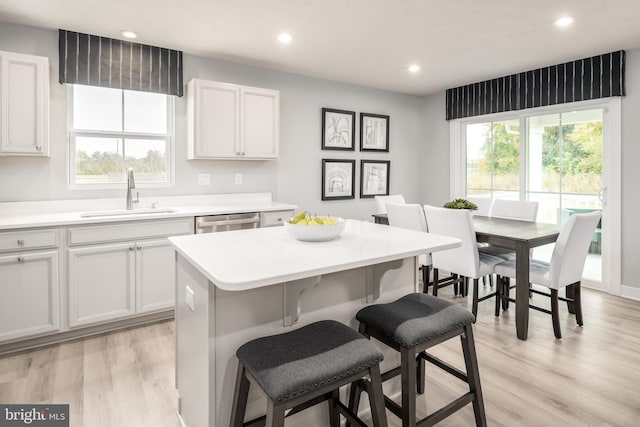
(414, 68)
(285, 38)
(564, 21)
(129, 34)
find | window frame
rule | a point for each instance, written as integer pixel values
(73, 133)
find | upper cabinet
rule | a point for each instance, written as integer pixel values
(228, 121)
(24, 105)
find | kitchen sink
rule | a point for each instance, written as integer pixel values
(125, 212)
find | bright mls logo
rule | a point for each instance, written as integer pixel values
(34, 415)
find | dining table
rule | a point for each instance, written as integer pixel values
(521, 236)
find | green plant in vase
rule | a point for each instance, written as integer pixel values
(461, 204)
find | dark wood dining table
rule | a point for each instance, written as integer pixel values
(521, 236)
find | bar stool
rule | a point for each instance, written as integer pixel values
(301, 368)
(411, 325)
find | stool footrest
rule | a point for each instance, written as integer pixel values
(444, 366)
(349, 415)
(391, 373)
(447, 410)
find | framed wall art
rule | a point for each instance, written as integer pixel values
(374, 178)
(338, 179)
(338, 129)
(374, 132)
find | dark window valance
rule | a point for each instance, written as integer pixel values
(590, 78)
(100, 61)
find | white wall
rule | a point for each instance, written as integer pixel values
(294, 178)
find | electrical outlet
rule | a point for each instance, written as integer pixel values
(204, 179)
(188, 298)
(238, 178)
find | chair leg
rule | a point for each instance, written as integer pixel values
(569, 291)
(376, 397)
(455, 284)
(555, 317)
(498, 295)
(354, 399)
(275, 414)
(334, 414)
(420, 375)
(577, 301)
(474, 306)
(506, 288)
(435, 282)
(240, 396)
(473, 375)
(491, 280)
(426, 270)
(408, 379)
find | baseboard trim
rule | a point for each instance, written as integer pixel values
(31, 343)
(630, 292)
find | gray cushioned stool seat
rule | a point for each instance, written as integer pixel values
(415, 318)
(291, 364)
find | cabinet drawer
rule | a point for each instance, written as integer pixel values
(129, 231)
(273, 219)
(32, 239)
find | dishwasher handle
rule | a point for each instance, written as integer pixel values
(251, 220)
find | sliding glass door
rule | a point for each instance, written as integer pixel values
(553, 158)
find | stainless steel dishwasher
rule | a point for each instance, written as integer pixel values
(237, 221)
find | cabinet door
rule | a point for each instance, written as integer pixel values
(155, 276)
(214, 127)
(101, 283)
(260, 123)
(24, 82)
(29, 295)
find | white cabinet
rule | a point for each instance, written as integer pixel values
(29, 283)
(155, 275)
(24, 105)
(227, 121)
(274, 218)
(101, 283)
(109, 281)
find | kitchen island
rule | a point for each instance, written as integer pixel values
(236, 286)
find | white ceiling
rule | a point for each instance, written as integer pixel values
(365, 42)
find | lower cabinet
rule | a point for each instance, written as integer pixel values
(101, 283)
(29, 294)
(122, 270)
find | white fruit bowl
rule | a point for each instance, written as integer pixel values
(315, 233)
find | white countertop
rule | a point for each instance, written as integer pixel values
(248, 259)
(16, 215)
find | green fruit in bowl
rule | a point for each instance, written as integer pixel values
(298, 218)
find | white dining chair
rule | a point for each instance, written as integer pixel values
(522, 210)
(381, 202)
(464, 261)
(564, 269)
(411, 216)
(483, 204)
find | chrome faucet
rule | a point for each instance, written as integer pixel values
(131, 185)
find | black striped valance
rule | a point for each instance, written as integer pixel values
(590, 78)
(101, 61)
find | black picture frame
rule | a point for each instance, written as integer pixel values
(374, 132)
(338, 129)
(374, 178)
(338, 179)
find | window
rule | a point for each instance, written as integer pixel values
(112, 130)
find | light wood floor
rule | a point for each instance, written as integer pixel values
(589, 378)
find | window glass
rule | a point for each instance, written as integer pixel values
(97, 108)
(112, 130)
(98, 160)
(145, 112)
